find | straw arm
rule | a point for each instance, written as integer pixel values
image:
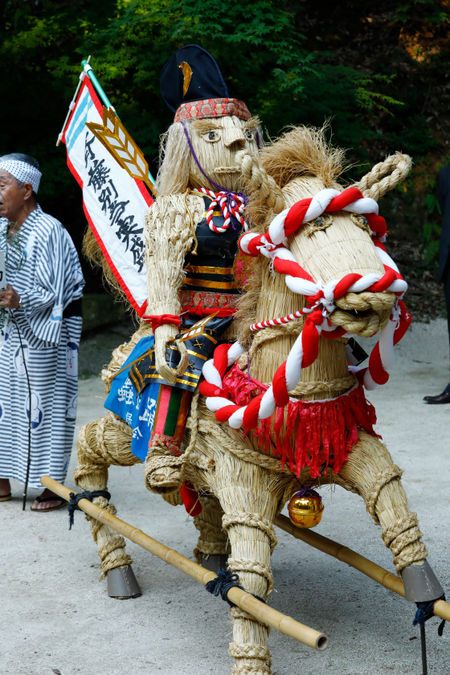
(359, 562)
(259, 610)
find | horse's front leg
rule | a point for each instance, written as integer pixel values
(249, 506)
(371, 472)
(100, 444)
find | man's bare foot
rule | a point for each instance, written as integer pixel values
(48, 501)
(5, 489)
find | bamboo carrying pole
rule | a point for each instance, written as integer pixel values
(359, 562)
(260, 611)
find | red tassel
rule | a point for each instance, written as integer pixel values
(190, 498)
(306, 433)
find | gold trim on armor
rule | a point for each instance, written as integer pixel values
(208, 269)
(205, 283)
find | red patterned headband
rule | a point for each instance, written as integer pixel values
(212, 107)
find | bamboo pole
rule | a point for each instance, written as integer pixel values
(259, 610)
(72, 103)
(370, 569)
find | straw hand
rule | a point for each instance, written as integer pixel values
(164, 336)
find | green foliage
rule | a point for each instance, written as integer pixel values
(429, 238)
(292, 62)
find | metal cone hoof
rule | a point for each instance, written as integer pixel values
(421, 584)
(122, 583)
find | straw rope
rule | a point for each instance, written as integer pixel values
(111, 546)
(237, 566)
(248, 653)
(102, 443)
(370, 468)
(374, 186)
(404, 540)
(163, 471)
(238, 613)
(251, 520)
(384, 477)
(210, 428)
(265, 196)
(249, 498)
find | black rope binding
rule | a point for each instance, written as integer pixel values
(425, 611)
(75, 498)
(222, 583)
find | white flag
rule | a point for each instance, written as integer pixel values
(115, 204)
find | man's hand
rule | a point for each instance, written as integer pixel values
(9, 298)
(164, 335)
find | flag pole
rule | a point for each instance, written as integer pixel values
(87, 70)
(97, 86)
(105, 100)
(72, 103)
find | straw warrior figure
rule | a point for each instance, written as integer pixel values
(289, 413)
(209, 164)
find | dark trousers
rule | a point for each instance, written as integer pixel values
(446, 280)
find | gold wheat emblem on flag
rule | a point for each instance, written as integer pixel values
(116, 139)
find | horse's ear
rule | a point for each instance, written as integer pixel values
(385, 176)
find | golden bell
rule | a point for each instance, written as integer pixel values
(305, 509)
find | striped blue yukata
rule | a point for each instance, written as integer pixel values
(44, 333)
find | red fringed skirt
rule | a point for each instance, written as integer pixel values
(314, 434)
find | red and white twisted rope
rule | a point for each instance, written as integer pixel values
(321, 302)
(229, 203)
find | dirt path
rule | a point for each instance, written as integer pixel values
(56, 618)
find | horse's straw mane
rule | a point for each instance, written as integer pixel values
(300, 152)
(303, 151)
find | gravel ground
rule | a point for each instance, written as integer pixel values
(56, 617)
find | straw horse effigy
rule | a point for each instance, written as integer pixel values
(283, 411)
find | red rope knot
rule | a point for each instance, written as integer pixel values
(158, 320)
(254, 244)
(231, 204)
(315, 317)
(314, 300)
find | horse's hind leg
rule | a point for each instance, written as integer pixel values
(249, 504)
(100, 444)
(371, 472)
(212, 546)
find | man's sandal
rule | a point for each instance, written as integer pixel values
(59, 503)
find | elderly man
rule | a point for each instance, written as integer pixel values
(40, 326)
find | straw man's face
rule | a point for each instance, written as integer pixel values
(220, 144)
